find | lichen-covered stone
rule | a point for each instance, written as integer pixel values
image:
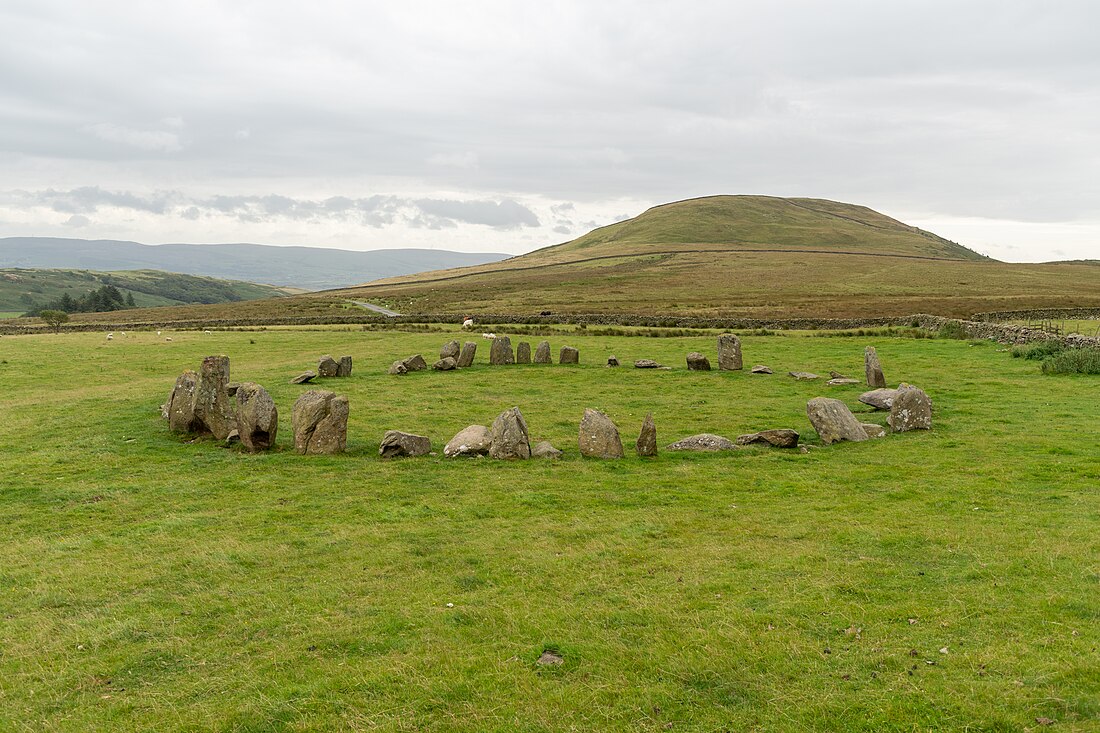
(523, 353)
(911, 410)
(729, 352)
(646, 445)
(466, 357)
(542, 353)
(500, 353)
(213, 406)
(599, 436)
(473, 440)
(872, 368)
(508, 436)
(833, 421)
(569, 355)
(396, 444)
(320, 422)
(257, 417)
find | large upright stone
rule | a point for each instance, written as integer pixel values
(450, 349)
(873, 369)
(343, 369)
(320, 421)
(257, 417)
(213, 406)
(912, 410)
(833, 421)
(473, 440)
(542, 353)
(569, 355)
(697, 362)
(508, 436)
(466, 357)
(647, 438)
(396, 444)
(327, 366)
(599, 437)
(500, 353)
(181, 404)
(523, 353)
(729, 352)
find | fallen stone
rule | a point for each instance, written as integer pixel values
(508, 436)
(445, 364)
(307, 375)
(549, 658)
(500, 353)
(545, 449)
(451, 349)
(343, 368)
(803, 376)
(873, 430)
(569, 355)
(213, 407)
(542, 353)
(398, 367)
(473, 440)
(912, 410)
(320, 422)
(396, 444)
(833, 421)
(836, 375)
(646, 444)
(872, 368)
(646, 364)
(599, 437)
(466, 357)
(729, 352)
(181, 404)
(415, 363)
(703, 442)
(780, 438)
(880, 399)
(257, 417)
(761, 369)
(612, 361)
(842, 382)
(523, 353)
(327, 366)
(697, 362)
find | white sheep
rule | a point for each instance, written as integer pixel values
(206, 330)
(489, 336)
(468, 322)
(167, 338)
(158, 333)
(110, 336)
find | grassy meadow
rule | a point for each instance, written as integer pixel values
(942, 580)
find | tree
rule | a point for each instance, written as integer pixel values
(130, 301)
(54, 319)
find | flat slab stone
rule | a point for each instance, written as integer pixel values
(396, 444)
(780, 438)
(415, 363)
(304, 377)
(761, 369)
(646, 445)
(646, 364)
(842, 382)
(880, 399)
(804, 376)
(703, 442)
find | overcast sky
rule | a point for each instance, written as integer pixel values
(506, 126)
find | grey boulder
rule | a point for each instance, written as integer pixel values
(697, 362)
(445, 364)
(466, 357)
(396, 444)
(880, 399)
(780, 438)
(703, 442)
(523, 353)
(450, 349)
(473, 440)
(646, 445)
(569, 355)
(872, 368)
(508, 436)
(912, 410)
(833, 421)
(545, 449)
(542, 353)
(327, 366)
(257, 417)
(500, 353)
(320, 422)
(729, 352)
(599, 436)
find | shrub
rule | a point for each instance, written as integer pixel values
(1038, 350)
(1073, 361)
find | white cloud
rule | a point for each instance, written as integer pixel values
(151, 140)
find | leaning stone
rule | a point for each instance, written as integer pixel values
(500, 353)
(697, 362)
(880, 399)
(542, 353)
(445, 364)
(781, 438)
(398, 367)
(833, 421)
(873, 430)
(415, 363)
(803, 376)
(473, 440)
(729, 352)
(761, 369)
(703, 442)
(181, 405)
(545, 449)
(450, 349)
(212, 404)
(842, 382)
(320, 422)
(305, 376)
(508, 436)
(646, 364)
(612, 361)
(599, 437)
(523, 353)
(646, 444)
(257, 417)
(327, 366)
(343, 368)
(912, 410)
(396, 444)
(569, 355)
(466, 358)
(873, 368)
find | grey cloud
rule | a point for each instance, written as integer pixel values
(504, 214)
(562, 229)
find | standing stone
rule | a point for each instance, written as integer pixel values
(470, 441)
(912, 410)
(569, 355)
(396, 444)
(445, 364)
(320, 421)
(343, 369)
(729, 352)
(466, 358)
(697, 362)
(415, 363)
(523, 353)
(257, 417)
(181, 405)
(508, 436)
(833, 421)
(328, 367)
(647, 439)
(398, 367)
(450, 349)
(542, 353)
(880, 399)
(500, 353)
(213, 406)
(781, 438)
(873, 369)
(612, 361)
(599, 437)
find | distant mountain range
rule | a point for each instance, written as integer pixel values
(309, 268)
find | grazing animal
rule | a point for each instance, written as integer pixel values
(489, 336)
(467, 322)
(167, 338)
(158, 333)
(110, 336)
(206, 330)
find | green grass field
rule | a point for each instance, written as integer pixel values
(943, 580)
